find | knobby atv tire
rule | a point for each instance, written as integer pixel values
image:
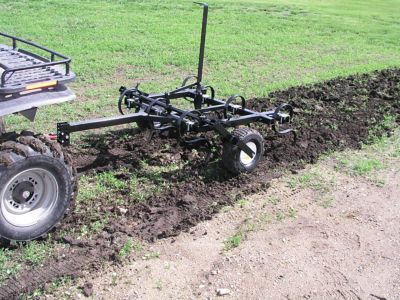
(27, 152)
(231, 153)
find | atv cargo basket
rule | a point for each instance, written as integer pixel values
(21, 70)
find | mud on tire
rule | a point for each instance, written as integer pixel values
(236, 160)
(37, 185)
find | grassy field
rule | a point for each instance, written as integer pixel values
(254, 46)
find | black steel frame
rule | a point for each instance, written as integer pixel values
(209, 113)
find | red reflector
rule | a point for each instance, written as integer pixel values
(52, 136)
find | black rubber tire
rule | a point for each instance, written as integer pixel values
(26, 152)
(231, 153)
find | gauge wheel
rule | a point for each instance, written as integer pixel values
(236, 160)
(37, 186)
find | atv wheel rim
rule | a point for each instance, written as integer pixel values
(29, 197)
(245, 159)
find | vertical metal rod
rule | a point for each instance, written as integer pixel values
(202, 42)
(2, 126)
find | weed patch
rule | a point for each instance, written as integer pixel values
(8, 265)
(35, 253)
(130, 246)
(235, 240)
(366, 166)
(317, 180)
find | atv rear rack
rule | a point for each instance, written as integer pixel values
(22, 70)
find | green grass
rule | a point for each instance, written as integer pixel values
(32, 254)
(35, 253)
(243, 202)
(250, 224)
(159, 285)
(319, 180)
(253, 47)
(366, 166)
(280, 216)
(315, 180)
(235, 240)
(396, 152)
(129, 246)
(8, 265)
(292, 213)
(373, 157)
(273, 200)
(388, 123)
(151, 255)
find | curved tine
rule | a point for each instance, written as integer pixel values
(284, 106)
(123, 94)
(234, 97)
(121, 97)
(187, 79)
(230, 100)
(212, 91)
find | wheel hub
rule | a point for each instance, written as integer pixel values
(246, 159)
(23, 192)
(28, 197)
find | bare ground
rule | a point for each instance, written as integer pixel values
(333, 237)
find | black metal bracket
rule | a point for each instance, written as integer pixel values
(63, 133)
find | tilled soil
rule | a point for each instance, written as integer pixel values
(330, 116)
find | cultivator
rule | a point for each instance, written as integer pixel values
(37, 179)
(242, 149)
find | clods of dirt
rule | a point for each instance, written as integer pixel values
(87, 289)
(333, 115)
(330, 116)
